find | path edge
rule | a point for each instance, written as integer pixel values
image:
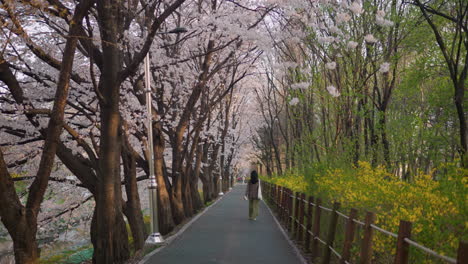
(170, 239)
(285, 234)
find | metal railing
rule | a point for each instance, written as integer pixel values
(302, 218)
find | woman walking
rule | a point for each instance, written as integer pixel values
(253, 193)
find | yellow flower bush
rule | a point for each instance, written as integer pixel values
(437, 209)
(295, 182)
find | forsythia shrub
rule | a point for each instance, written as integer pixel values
(293, 181)
(437, 209)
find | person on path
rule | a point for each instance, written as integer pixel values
(253, 193)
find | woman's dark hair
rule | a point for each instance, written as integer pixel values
(253, 177)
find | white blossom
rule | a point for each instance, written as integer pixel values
(289, 64)
(352, 45)
(383, 22)
(294, 101)
(369, 38)
(333, 91)
(356, 8)
(342, 18)
(344, 4)
(384, 67)
(380, 19)
(330, 65)
(301, 85)
(335, 29)
(323, 40)
(388, 23)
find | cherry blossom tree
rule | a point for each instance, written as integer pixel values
(19, 219)
(104, 144)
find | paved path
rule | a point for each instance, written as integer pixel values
(225, 235)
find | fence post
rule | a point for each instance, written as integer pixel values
(295, 219)
(290, 210)
(316, 229)
(301, 219)
(286, 206)
(402, 253)
(270, 191)
(366, 246)
(331, 233)
(349, 236)
(277, 199)
(309, 223)
(274, 196)
(268, 187)
(462, 254)
(282, 207)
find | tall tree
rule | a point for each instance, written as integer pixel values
(454, 48)
(20, 220)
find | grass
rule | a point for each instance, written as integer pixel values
(78, 255)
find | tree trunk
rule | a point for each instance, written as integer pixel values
(357, 133)
(383, 133)
(373, 139)
(113, 248)
(166, 220)
(137, 226)
(20, 222)
(205, 177)
(209, 189)
(215, 181)
(177, 202)
(459, 99)
(177, 175)
(132, 208)
(197, 154)
(197, 203)
(110, 234)
(206, 190)
(187, 196)
(25, 244)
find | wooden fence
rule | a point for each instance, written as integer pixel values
(302, 217)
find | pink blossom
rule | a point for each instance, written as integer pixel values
(356, 8)
(294, 101)
(352, 45)
(384, 67)
(369, 38)
(333, 91)
(342, 18)
(330, 65)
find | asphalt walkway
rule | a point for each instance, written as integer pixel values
(225, 235)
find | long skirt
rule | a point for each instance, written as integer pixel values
(253, 208)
